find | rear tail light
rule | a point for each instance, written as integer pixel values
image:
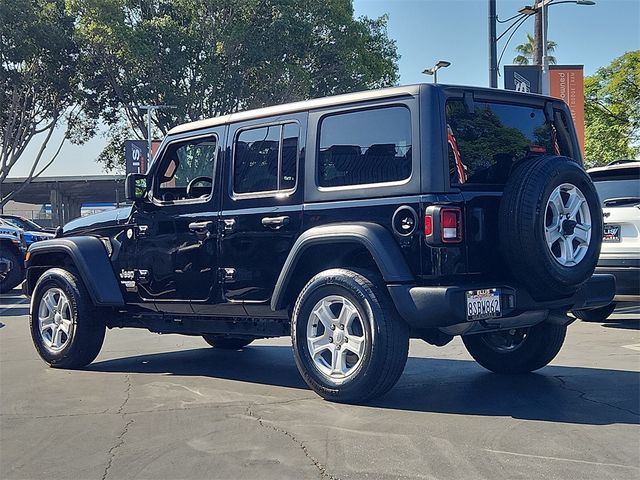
(428, 225)
(442, 225)
(451, 225)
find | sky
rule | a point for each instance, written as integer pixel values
(426, 31)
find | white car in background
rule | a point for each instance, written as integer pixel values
(618, 186)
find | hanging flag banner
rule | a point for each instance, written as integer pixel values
(567, 83)
(522, 78)
(135, 154)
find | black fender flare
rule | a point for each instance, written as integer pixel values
(90, 258)
(375, 238)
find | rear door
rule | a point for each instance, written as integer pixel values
(262, 208)
(486, 138)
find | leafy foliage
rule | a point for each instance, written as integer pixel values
(213, 57)
(612, 111)
(525, 51)
(39, 81)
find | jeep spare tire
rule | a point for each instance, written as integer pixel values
(550, 226)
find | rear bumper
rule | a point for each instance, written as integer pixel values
(442, 306)
(627, 274)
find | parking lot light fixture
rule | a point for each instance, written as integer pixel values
(434, 70)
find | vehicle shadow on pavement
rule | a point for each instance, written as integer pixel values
(624, 324)
(555, 394)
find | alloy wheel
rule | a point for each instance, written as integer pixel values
(567, 225)
(55, 319)
(336, 337)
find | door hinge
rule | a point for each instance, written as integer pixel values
(227, 274)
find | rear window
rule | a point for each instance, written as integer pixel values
(485, 144)
(618, 187)
(365, 147)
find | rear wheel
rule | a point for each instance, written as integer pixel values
(66, 328)
(349, 343)
(518, 350)
(595, 315)
(227, 343)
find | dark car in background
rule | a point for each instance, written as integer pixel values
(12, 251)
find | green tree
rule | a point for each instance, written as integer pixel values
(213, 57)
(612, 111)
(525, 51)
(38, 81)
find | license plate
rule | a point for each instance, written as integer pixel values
(611, 233)
(483, 304)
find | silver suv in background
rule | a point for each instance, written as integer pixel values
(618, 186)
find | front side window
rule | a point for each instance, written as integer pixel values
(266, 159)
(186, 170)
(365, 147)
(485, 144)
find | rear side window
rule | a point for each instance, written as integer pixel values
(484, 145)
(365, 147)
(266, 159)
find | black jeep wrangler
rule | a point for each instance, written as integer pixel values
(352, 223)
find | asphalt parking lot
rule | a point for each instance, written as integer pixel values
(171, 407)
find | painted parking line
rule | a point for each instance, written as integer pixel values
(635, 346)
(5, 307)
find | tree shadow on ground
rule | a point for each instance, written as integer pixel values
(557, 394)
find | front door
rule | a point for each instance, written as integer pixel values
(262, 209)
(176, 229)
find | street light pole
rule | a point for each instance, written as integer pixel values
(150, 109)
(541, 55)
(434, 70)
(493, 45)
(545, 57)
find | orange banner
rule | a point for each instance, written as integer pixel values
(567, 83)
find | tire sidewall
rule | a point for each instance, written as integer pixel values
(368, 310)
(15, 275)
(55, 279)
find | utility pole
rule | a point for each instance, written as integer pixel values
(150, 109)
(537, 37)
(493, 45)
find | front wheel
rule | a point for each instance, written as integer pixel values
(67, 330)
(518, 350)
(349, 343)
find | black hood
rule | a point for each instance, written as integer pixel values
(98, 221)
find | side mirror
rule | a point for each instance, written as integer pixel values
(136, 187)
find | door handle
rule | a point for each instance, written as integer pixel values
(275, 222)
(201, 226)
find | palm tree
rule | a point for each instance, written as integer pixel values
(525, 51)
